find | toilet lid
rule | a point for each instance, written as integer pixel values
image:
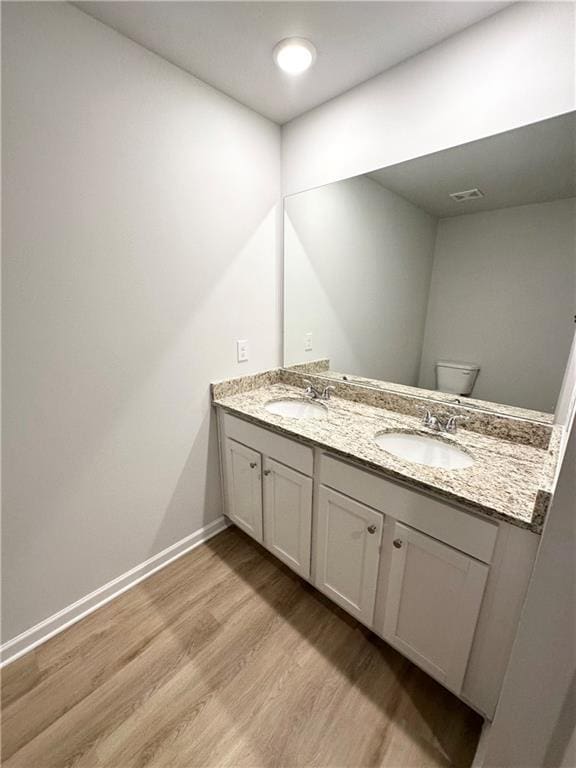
(457, 364)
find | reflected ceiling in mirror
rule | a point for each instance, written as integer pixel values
(454, 272)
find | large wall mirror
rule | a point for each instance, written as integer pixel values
(453, 272)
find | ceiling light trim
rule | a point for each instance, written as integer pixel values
(294, 55)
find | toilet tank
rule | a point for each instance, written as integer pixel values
(457, 378)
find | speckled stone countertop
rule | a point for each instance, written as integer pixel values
(508, 481)
(442, 397)
(322, 368)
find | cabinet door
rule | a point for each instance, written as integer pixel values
(347, 552)
(433, 601)
(244, 487)
(288, 515)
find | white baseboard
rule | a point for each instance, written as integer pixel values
(35, 636)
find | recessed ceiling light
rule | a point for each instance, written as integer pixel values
(294, 55)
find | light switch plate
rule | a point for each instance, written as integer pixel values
(242, 350)
(308, 342)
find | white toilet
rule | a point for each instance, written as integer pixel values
(456, 378)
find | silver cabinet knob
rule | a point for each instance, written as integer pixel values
(267, 472)
(371, 529)
(398, 543)
(253, 464)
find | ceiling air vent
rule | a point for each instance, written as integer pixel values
(467, 194)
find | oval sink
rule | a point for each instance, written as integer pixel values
(423, 449)
(296, 409)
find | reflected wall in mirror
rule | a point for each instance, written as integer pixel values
(389, 273)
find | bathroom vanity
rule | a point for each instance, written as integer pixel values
(435, 561)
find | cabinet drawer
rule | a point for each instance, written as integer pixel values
(284, 450)
(456, 527)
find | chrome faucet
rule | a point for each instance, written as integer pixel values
(316, 394)
(431, 421)
(453, 421)
(442, 422)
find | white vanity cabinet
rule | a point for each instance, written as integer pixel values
(288, 515)
(268, 490)
(347, 553)
(432, 602)
(243, 476)
(443, 585)
(432, 567)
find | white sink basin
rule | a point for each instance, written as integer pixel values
(422, 449)
(296, 409)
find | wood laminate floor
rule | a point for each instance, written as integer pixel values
(226, 659)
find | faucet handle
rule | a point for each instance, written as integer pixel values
(326, 392)
(453, 422)
(310, 390)
(427, 418)
(431, 420)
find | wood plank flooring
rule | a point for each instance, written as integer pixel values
(225, 659)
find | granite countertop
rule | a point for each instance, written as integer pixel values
(322, 368)
(508, 481)
(442, 397)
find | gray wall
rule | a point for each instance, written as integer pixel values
(502, 294)
(535, 722)
(140, 240)
(567, 399)
(482, 81)
(357, 272)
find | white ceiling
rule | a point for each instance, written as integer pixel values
(229, 44)
(533, 164)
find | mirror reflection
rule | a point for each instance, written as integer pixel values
(453, 272)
